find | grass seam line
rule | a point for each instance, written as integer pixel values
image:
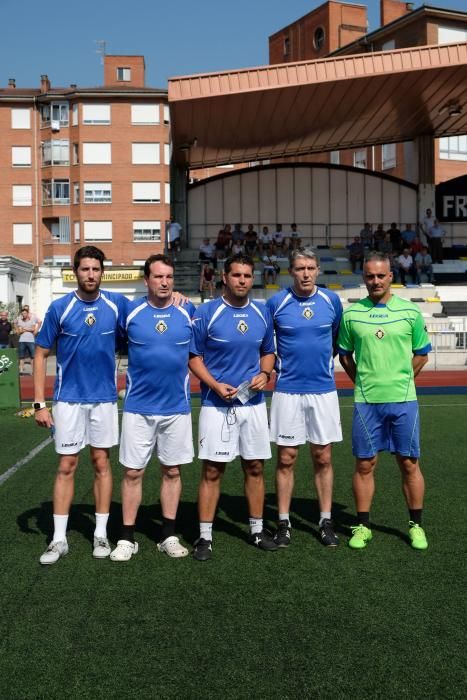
(12, 470)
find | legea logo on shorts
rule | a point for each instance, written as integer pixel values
(223, 454)
(69, 444)
(287, 437)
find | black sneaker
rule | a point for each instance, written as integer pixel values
(263, 540)
(282, 536)
(328, 536)
(202, 549)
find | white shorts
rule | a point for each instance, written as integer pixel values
(81, 424)
(300, 418)
(225, 433)
(170, 436)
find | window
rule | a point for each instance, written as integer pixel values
(76, 230)
(451, 35)
(55, 152)
(22, 234)
(167, 153)
(123, 73)
(97, 153)
(55, 230)
(388, 156)
(60, 229)
(20, 118)
(76, 193)
(74, 119)
(97, 192)
(318, 38)
(145, 114)
(146, 231)
(335, 157)
(167, 193)
(55, 114)
(453, 148)
(55, 192)
(107, 263)
(61, 260)
(75, 153)
(359, 158)
(286, 46)
(96, 114)
(166, 114)
(146, 192)
(139, 262)
(21, 156)
(97, 230)
(389, 45)
(145, 153)
(22, 195)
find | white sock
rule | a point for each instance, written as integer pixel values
(60, 523)
(284, 516)
(205, 531)
(324, 515)
(256, 525)
(101, 525)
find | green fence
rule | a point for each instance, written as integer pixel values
(9, 379)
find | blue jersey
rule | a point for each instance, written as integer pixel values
(231, 341)
(85, 333)
(306, 330)
(158, 352)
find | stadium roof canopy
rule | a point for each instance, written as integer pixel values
(300, 108)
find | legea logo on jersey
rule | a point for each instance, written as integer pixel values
(308, 313)
(90, 320)
(242, 326)
(161, 327)
(379, 334)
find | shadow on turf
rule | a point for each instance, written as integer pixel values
(231, 518)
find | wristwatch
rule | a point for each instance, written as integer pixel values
(38, 405)
(268, 374)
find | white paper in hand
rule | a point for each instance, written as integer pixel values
(244, 393)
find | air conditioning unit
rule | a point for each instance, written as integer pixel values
(55, 125)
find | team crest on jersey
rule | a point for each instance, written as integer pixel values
(242, 326)
(379, 334)
(90, 320)
(161, 327)
(308, 313)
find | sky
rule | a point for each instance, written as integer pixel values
(176, 37)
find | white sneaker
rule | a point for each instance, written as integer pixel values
(54, 551)
(101, 548)
(124, 550)
(172, 547)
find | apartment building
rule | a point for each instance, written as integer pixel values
(85, 166)
(338, 29)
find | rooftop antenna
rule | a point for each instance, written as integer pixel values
(101, 45)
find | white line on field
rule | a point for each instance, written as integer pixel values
(12, 470)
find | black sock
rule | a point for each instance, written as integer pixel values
(168, 528)
(363, 518)
(128, 533)
(415, 515)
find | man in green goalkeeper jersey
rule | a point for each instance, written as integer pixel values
(383, 345)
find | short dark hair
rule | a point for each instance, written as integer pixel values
(158, 257)
(239, 259)
(88, 251)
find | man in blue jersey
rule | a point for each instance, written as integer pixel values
(156, 412)
(232, 353)
(83, 324)
(305, 406)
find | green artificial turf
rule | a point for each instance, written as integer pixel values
(306, 622)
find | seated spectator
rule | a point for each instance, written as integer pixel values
(408, 236)
(270, 267)
(224, 242)
(366, 236)
(207, 282)
(5, 330)
(396, 238)
(416, 246)
(294, 238)
(251, 241)
(279, 241)
(406, 266)
(386, 246)
(237, 248)
(238, 236)
(378, 237)
(423, 265)
(207, 252)
(394, 262)
(265, 239)
(356, 253)
(436, 235)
